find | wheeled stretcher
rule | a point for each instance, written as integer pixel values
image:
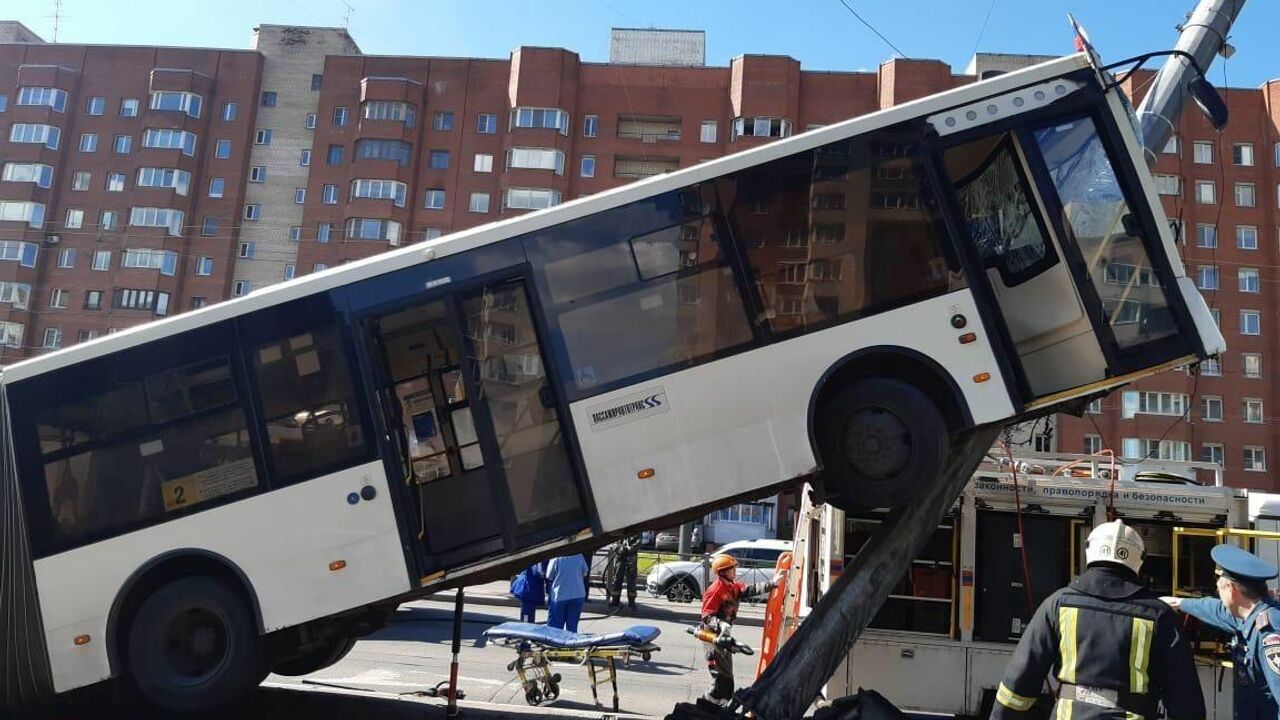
(537, 646)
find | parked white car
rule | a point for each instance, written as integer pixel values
(683, 581)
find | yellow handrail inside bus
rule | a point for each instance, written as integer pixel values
(1221, 534)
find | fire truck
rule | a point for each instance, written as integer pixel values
(941, 642)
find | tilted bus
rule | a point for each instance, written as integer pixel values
(247, 487)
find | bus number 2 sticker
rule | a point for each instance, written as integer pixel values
(205, 485)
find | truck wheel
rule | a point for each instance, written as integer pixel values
(882, 442)
(192, 645)
(319, 658)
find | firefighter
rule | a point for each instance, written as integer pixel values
(1117, 648)
(1245, 610)
(719, 610)
(626, 557)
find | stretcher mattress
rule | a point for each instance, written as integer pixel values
(634, 636)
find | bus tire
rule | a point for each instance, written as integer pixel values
(192, 645)
(882, 442)
(330, 653)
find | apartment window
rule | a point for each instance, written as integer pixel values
(75, 219)
(1253, 411)
(1277, 149)
(81, 180)
(38, 174)
(1250, 322)
(35, 134)
(89, 142)
(1251, 365)
(1246, 237)
(373, 229)
(479, 202)
(171, 101)
(101, 260)
(204, 265)
(317, 267)
(52, 337)
(324, 232)
(246, 250)
(58, 298)
(1092, 444)
(268, 98)
(258, 173)
(380, 190)
(1207, 277)
(1171, 146)
(317, 82)
(1246, 195)
(329, 195)
(115, 182)
(129, 107)
(760, 127)
(373, 149)
(228, 111)
(1211, 367)
(67, 258)
(1242, 154)
(85, 335)
(51, 97)
(1094, 407)
(241, 287)
(442, 120)
(340, 116)
(209, 226)
(1203, 152)
(166, 138)
(431, 233)
(531, 198)
(1212, 453)
(486, 124)
(1211, 408)
(295, 233)
(304, 159)
(1148, 402)
(388, 110)
(122, 144)
(536, 159)
(289, 271)
(483, 163)
(299, 196)
(335, 154)
(707, 133)
(216, 187)
(96, 105)
(198, 302)
(222, 149)
(32, 213)
(177, 180)
(109, 220)
(1249, 281)
(1168, 184)
(591, 126)
(310, 121)
(1255, 458)
(434, 199)
(262, 137)
(438, 160)
(1206, 193)
(588, 166)
(1141, 448)
(4, 107)
(252, 212)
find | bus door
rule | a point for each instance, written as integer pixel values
(474, 424)
(1072, 262)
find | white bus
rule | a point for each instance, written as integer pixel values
(197, 501)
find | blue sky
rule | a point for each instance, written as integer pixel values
(822, 34)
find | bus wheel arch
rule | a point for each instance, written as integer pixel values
(161, 571)
(891, 395)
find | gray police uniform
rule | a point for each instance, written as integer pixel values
(1255, 647)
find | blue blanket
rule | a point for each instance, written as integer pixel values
(634, 636)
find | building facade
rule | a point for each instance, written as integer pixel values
(143, 181)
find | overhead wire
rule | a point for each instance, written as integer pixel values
(872, 28)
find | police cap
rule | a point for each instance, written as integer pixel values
(1242, 566)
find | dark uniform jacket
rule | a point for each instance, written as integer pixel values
(1114, 648)
(1255, 650)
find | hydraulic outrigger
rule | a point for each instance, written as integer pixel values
(804, 663)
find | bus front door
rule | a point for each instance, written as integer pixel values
(473, 425)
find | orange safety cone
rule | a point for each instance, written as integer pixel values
(771, 638)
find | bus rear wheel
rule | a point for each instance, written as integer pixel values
(320, 658)
(192, 645)
(882, 442)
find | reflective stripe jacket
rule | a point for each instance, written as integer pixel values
(1255, 651)
(1115, 650)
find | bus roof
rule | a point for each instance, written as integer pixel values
(464, 240)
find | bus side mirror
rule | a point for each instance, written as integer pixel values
(1210, 102)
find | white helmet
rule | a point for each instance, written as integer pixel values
(1115, 542)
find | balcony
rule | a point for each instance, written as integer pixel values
(650, 128)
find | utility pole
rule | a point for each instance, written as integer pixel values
(1204, 35)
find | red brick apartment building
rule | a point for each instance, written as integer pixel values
(147, 181)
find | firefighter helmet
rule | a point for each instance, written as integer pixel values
(720, 563)
(1117, 543)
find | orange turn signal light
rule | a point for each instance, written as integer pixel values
(337, 565)
(981, 377)
(967, 338)
(81, 640)
(645, 474)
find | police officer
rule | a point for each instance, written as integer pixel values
(1247, 611)
(1117, 649)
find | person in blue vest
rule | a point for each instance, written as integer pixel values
(1245, 609)
(530, 588)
